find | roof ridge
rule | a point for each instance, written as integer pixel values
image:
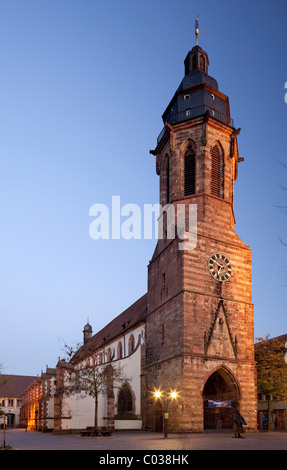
(116, 327)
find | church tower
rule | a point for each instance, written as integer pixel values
(199, 328)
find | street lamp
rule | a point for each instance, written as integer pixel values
(4, 429)
(166, 397)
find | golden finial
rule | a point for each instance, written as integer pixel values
(196, 30)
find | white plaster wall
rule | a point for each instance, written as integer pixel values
(81, 410)
(128, 424)
(132, 370)
(11, 409)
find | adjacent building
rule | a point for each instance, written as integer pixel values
(37, 410)
(11, 390)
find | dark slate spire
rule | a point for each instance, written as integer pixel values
(197, 93)
(196, 70)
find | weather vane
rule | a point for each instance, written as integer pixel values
(196, 30)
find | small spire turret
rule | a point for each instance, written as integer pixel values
(88, 331)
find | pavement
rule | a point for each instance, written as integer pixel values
(143, 441)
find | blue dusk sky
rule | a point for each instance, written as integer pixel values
(84, 84)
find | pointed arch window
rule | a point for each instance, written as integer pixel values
(202, 63)
(131, 344)
(166, 180)
(216, 172)
(120, 351)
(189, 172)
(109, 355)
(193, 62)
(125, 400)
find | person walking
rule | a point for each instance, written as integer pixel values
(238, 422)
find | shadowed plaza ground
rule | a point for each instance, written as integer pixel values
(145, 441)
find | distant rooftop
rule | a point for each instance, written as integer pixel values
(14, 385)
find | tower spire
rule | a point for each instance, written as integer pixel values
(88, 331)
(196, 30)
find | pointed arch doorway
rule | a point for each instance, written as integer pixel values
(220, 394)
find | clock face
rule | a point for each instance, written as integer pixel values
(219, 267)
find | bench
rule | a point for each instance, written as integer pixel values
(92, 431)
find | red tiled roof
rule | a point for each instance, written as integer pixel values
(133, 315)
(14, 385)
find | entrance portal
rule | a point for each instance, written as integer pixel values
(10, 419)
(219, 394)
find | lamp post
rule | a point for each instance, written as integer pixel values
(166, 397)
(4, 430)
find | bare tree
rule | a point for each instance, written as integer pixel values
(94, 380)
(3, 378)
(70, 350)
(282, 207)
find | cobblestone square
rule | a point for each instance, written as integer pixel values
(144, 441)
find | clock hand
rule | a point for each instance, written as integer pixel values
(218, 263)
(221, 266)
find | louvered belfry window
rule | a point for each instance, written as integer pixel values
(216, 172)
(189, 172)
(167, 182)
